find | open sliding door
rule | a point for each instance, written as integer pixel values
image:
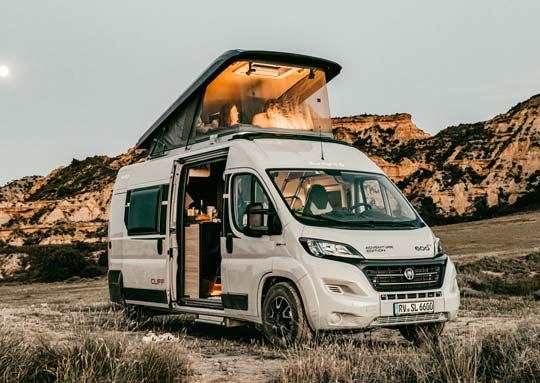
(196, 180)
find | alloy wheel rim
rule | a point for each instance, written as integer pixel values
(280, 317)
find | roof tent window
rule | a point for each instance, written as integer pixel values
(177, 128)
(265, 95)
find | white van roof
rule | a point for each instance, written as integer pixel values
(259, 152)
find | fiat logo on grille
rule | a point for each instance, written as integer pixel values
(408, 274)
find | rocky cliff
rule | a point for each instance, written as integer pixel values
(378, 136)
(468, 171)
(475, 170)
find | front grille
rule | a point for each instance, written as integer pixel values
(406, 319)
(392, 278)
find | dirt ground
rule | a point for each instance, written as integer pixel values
(60, 311)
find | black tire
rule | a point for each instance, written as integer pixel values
(284, 320)
(422, 333)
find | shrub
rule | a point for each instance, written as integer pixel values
(50, 263)
(57, 263)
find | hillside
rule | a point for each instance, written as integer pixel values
(465, 172)
(473, 171)
(17, 190)
(70, 204)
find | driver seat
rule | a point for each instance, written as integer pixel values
(317, 202)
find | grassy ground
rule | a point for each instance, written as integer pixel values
(68, 332)
(60, 326)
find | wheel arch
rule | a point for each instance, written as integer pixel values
(305, 289)
(116, 286)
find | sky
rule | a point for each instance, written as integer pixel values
(89, 77)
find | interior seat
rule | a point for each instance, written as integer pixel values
(317, 202)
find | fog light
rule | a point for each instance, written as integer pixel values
(334, 318)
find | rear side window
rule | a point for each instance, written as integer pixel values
(142, 214)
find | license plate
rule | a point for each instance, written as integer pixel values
(413, 307)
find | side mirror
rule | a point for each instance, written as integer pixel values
(261, 221)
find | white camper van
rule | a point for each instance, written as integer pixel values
(247, 210)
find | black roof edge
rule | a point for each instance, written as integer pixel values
(300, 137)
(330, 68)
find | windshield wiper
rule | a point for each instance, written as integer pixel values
(338, 221)
(319, 217)
(391, 224)
(370, 223)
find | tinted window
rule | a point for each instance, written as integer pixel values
(143, 212)
(177, 129)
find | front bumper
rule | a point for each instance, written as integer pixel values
(371, 308)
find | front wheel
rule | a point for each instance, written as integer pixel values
(284, 321)
(422, 333)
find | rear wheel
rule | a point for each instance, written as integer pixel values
(137, 315)
(422, 333)
(284, 321)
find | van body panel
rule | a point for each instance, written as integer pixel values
(275, 153)
(251, 257)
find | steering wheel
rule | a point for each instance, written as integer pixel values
(365, 204)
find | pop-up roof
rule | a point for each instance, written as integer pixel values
(248, 91)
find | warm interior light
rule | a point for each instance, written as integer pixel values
(265, 70)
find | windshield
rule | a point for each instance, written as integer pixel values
(344, 198)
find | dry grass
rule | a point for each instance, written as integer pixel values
(497, 356)
(90, 358)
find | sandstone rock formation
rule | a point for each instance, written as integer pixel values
(471, 170)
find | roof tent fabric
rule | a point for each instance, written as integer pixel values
(175, 119)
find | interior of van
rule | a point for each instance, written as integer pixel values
(199, 278)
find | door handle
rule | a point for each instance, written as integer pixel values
(229, 243)
(160, 246)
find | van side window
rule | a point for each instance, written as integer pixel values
(246, 189)
(142, 215)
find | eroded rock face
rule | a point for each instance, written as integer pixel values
(377, 135)
(473, 169)
(17, 190)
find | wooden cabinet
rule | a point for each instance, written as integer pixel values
(192, 262)
(202, 258)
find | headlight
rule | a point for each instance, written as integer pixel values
(439, 251)
(322, 248)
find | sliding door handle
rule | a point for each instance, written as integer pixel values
(229, 243)
(160, 246)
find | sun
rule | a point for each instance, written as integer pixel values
(4, 71)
